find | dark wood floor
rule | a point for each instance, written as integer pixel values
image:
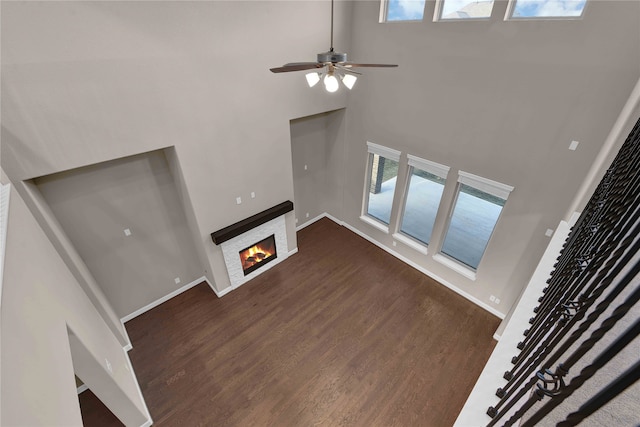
(94, 413)
(339, 334)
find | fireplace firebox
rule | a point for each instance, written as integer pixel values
(258, 254)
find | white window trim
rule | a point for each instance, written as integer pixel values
(428, 166)
(384, 7)
(508, 16)
(383, 151)
(384, 11)
(438, 12)
(387, 153)
(483, 184)
(488, 186)
(456, 266)
(408, 241)
(375, 223)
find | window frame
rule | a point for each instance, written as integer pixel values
(511, 7)
(384, 11)
(437, 14)
(414, 162)
(488, 186)
(387, 153)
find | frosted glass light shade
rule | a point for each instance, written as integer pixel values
(349, 80)
(312, 79)
(331, 83)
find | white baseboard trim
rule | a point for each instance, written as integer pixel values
(228, 289)
(311, 221)
(128, 346)
(82, 388)
(148, 423)
(318, 218)
(135, 380)
(497, 337)
(5, 193)
(221, 293)
(333, 218)
(161, 300)
(423, 270)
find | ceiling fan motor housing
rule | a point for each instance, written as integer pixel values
(332, 57)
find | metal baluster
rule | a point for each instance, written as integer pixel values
(605, 395)
(558, 334)
(592, 257)
(550, 299)
(562, 322)
(601, 360)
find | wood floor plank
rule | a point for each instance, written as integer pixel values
(341, 333)
(95, 413)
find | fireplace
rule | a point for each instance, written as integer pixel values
(258, 255)
(249, 246)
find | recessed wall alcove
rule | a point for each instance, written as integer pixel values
(317, 153)
(126, 219)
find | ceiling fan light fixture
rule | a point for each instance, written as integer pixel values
(333, 65)
(349, 80)
(312, 79)
(331, 83)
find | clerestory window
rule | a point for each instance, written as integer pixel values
(402, 10)
(462, 9)
(545, 9)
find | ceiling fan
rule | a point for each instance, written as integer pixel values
(332, 65)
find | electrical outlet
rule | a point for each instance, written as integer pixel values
(109, 368)
(573, 145)
(492, 298)
(305, 167)
(127, 232)
(307, 214)
(177, 280)
(497, 301)
(238, 200)
(395, 243)
(549, 232)
(253, 195)
(296, 220)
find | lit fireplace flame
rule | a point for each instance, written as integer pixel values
(254, 255)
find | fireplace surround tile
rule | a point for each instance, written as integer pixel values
(232, 247)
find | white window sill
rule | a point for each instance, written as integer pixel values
(410, 242)
(455, 266)
(372, 222)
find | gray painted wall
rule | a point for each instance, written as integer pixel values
(40, 299)
(95, 204)
(498, 99)
(69, 254)
(317, 142)
(88, 82)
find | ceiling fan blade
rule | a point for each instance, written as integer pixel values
(297, 66)
(346, 70)
(353, 65)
